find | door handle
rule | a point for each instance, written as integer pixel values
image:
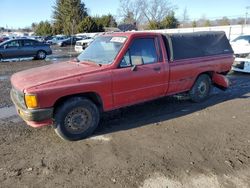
(157, 68)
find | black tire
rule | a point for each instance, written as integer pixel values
(1, 58)
(41, 55)
(201, 88)
(225, 73)
(76, 119)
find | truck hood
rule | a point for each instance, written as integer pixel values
(42, 75)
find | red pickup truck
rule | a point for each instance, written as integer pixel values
(118, 70)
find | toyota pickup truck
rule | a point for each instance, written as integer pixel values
(119, 70)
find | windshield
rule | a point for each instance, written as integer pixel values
(102, 50)
(246, 37)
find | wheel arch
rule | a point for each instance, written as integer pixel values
(92, 96)
(209, 73)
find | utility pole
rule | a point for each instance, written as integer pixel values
(248, 7)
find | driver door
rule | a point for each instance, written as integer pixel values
(140, 76)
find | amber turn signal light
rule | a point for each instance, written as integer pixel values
(31, 101)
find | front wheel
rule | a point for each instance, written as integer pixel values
(41, 55)
(76, 119)
(201, 88)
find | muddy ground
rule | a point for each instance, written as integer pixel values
(169, 142)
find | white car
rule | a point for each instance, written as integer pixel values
(57, 39)
(82, 44)
(241, 64)
(241, 44)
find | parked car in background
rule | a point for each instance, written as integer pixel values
(241, 64)
(46, 38)
(2, 39)
(17, 48)
(82, 44)
(39, 38)
(68, 41)
(241, 47)
(241, 44)
(57, 39)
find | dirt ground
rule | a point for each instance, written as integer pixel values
(169, 142)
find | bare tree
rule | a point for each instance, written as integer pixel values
(156, 10)
(130, 11)
(145, 10)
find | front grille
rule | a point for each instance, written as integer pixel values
(239, 65)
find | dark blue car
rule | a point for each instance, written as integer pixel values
(18, 48)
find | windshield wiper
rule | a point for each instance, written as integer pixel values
(91, 61)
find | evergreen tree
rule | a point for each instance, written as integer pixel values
(169, 22)
(43, 29)
(154, 25)
(194, 23)
(105, 21)
(67, 15)
(88, 25)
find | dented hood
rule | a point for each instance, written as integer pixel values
(42, 75)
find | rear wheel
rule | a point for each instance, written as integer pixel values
(76, 119)
(1, 58)
(41, 54)
(201, 88)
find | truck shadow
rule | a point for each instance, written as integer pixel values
(167, 108)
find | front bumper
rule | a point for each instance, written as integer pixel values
(33, 117)
(241, 65)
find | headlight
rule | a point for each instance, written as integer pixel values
(31, 101)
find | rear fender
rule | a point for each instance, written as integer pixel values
(220, 81)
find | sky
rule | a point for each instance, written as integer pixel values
(21, 13)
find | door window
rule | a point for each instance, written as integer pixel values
(28, 43)
(13, 44)
(142, 51)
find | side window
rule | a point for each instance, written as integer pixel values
(28, 43)
(12, 44)
(142, 51)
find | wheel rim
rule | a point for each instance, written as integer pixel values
(78, 120)
(41, 55)
(202, 89)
